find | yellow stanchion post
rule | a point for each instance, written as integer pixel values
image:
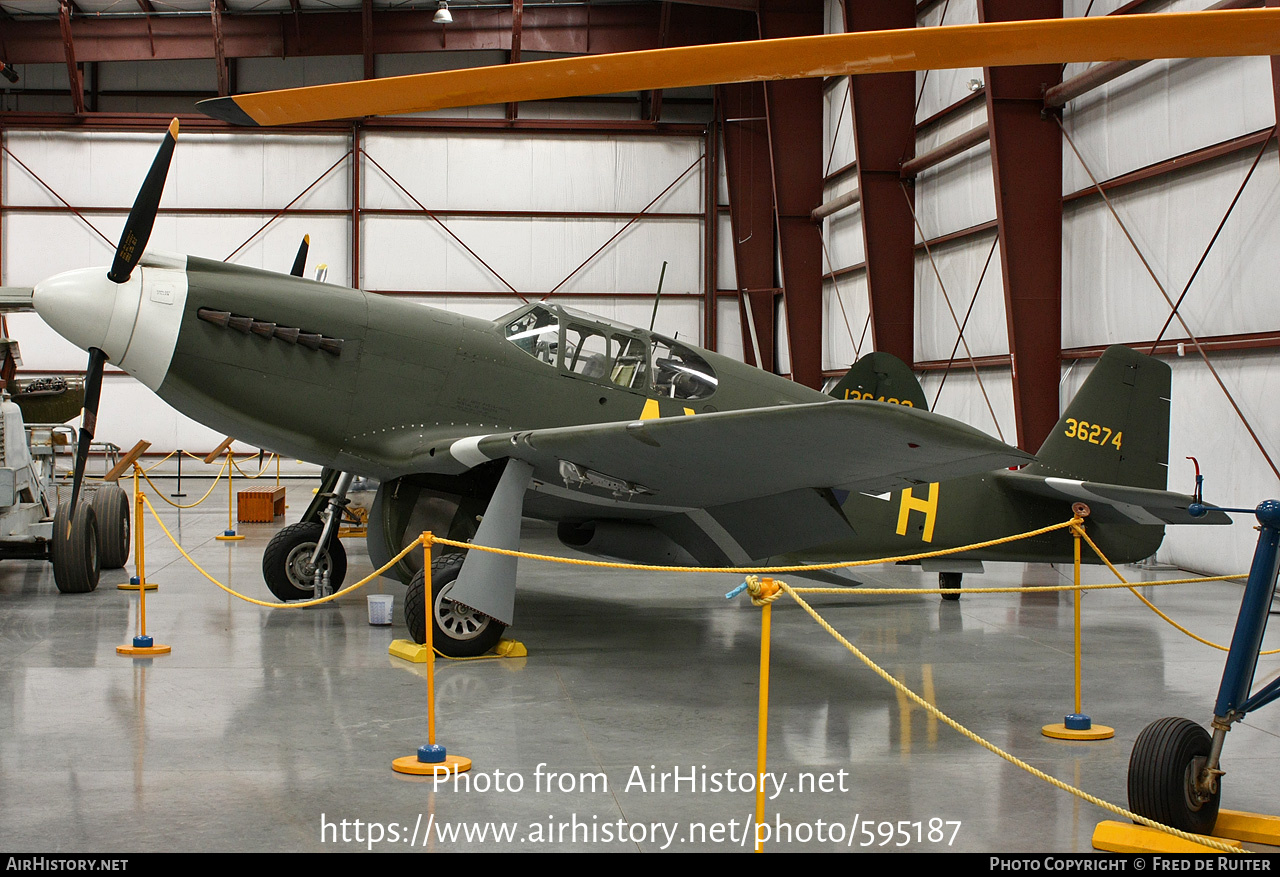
(229, 535)
(763, 593)
(138, 582)
(767, 589)
(431, 759)
(143, 645)
(1078, 726)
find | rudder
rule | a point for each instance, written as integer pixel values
(1116, 429)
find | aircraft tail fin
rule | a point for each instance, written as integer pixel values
(881, 377)
(1116, 429)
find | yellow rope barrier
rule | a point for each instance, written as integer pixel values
(738, 570)
(160, 493)
(158, 462)
(991, 747)
(302, 604)
(261, 469)
(1152, 606)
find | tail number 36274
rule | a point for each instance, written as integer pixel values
(1093, 433)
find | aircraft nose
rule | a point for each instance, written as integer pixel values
(89, 310)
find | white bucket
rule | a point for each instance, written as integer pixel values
(380, 608)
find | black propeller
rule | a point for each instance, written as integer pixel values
(133, 240)
(300, 261)
(137, 228)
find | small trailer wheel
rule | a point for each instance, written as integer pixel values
(1167, 757)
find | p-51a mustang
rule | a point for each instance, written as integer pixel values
(636, 445)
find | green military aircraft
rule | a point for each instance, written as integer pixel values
(636, 445)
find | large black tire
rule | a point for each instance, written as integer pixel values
(111, 507)
(284, 563)
(76, 562)
(951, 581)
(459, 632)
(1162, 771)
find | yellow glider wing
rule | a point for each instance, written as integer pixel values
(1221, 33)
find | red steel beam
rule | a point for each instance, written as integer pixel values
(577, 29)
(1275, 71)
(1100, 74)
(884, 137)
(1026, 161)
(357, 195)
(366, 37)
(748, 177)
(710, 236)
(151, 122)
(69, 55)
(1169, 346)
(219, 50)
(794, 108)
(513, 57)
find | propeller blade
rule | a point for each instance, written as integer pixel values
(300, 260)
(1223, 33)
(88, 420)
(137, 228)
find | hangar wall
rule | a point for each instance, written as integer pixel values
(1160, 111)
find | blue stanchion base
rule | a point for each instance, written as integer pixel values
(1077, 722)
(432, 753)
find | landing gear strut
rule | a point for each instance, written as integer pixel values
(950, 581)
(1175, 770)
(306, 561)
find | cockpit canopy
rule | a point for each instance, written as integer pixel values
(595, 349)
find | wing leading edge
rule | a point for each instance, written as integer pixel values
(722, 457)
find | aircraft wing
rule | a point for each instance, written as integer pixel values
(723, 457)
(1117, 502)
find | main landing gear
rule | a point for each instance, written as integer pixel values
(460, 631)
(306, 561)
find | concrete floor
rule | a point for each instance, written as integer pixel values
(265, 725)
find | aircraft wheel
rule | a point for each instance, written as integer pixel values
(1167, 756)
(286, 564)
(76, 562)
(111, 507)
(460, 632)
(950, 581)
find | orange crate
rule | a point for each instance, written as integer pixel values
(259, 505)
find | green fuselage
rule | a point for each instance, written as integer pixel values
(411, 380)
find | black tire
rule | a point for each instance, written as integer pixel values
(287, 556)
(76, 562)
(950, 581)
(111, 508)
(459, 632)
(1162, 770)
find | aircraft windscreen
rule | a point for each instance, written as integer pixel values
(536, 332)
(680, 373)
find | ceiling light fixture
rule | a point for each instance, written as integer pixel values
(443, 16)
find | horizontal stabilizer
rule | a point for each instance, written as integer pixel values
(1115, 502)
